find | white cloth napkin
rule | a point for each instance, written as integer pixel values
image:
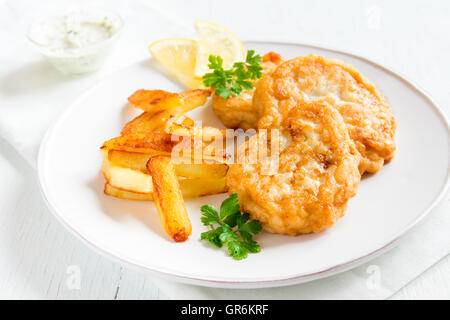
(33, 94)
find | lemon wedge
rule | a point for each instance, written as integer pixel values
(179, 57)
(216, 40)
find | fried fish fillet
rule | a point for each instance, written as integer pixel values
(312, 78)
(317, 172)
(238, 112)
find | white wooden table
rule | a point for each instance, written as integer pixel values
(40, 259)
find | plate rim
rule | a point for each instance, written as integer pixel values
(241, 284)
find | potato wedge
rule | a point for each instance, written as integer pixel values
(185, 121)
(180, 120)
(194, 188)
(168, 198)
(142, 123)
(147, 122)
(204, 171)
(191, 99)
(178, 147)
(155, 100)
(132, 160)
(156, 116)
(127, 179)
(195, 98)
(138, 161)
(204, 133)
(127, 195)
(147, 142)
(158, 120)
(134, 181)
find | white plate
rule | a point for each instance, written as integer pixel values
(387, 205)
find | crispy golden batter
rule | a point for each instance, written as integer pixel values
(365, 111)
(238, 112)
(318, 173)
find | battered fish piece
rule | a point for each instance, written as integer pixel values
(318, 173)
(365, 111)
(239, 112)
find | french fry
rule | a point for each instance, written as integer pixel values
(201, 171)
(191, 99)
(157, 114)
(180, 120)
(142, 123)
(132, 160)
(138, 166)
(181, 147)
(194, 188)
(168, 198)
(138, 182)
(148, 142)
(138, 161)
(155, 100)
(195, 98)
(190, 188)
(127, 179)
(127, 195)
(159, 119)
(185, 121)
(204, 133)
(145, 122)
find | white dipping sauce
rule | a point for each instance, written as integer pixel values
(76, 42)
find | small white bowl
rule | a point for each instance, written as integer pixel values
(75, 60)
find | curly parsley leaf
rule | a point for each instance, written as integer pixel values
(252, 58)
(233, 81)
(233, 229)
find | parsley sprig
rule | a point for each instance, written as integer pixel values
(232, 228)
(233, 81)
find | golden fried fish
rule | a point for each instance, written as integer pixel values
(238, 112)
(312, 78)
(317, 172)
